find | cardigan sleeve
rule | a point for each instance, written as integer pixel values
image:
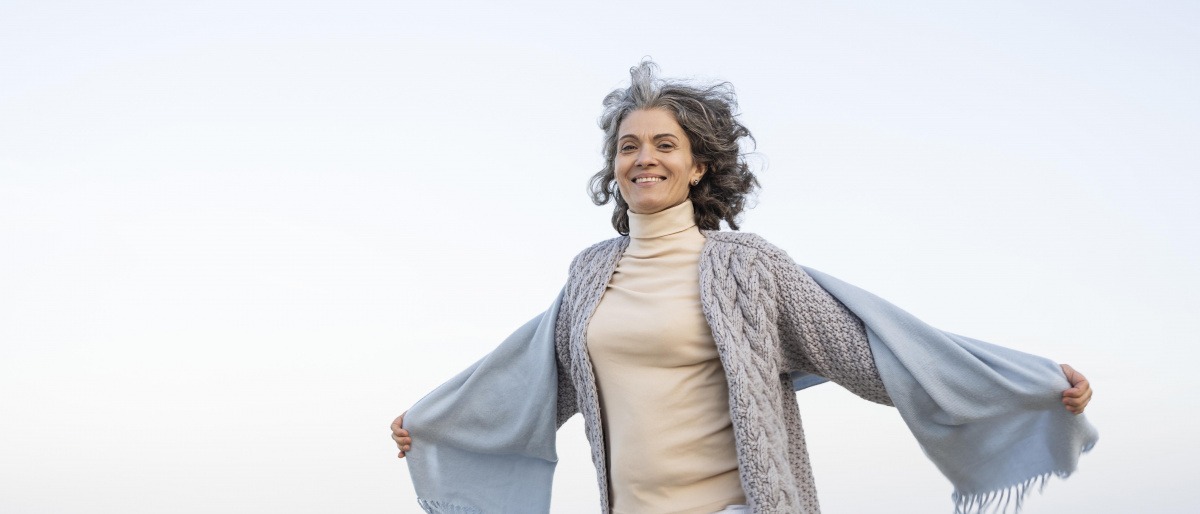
(819, 335)
(568, 403)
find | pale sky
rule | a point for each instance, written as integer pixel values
(237, 238)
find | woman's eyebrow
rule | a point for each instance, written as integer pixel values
(656, 136)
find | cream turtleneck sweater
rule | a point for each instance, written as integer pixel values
(664, 399)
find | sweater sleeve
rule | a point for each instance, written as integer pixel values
(820, 336)
(568, 403)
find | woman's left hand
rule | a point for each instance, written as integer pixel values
(1080, 393)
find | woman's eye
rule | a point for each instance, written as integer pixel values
(666, 146)
(626, 148)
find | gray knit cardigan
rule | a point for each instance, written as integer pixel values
(768, 318)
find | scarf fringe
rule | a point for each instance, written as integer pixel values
(441, 507)
(999, 501)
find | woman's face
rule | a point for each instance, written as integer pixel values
(654, 165)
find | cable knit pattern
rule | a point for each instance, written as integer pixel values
(768, 317)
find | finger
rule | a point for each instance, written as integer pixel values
(398, 422)
(1073, 376)
(1082, 384)
(1080, 399)
(1077, 405)
(1080, 395)
(1067, 369)
(1077, 392)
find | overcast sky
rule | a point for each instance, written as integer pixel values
(238, 237)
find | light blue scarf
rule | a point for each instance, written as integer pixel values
(484, 441)
(990, 418)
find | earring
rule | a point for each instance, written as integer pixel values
(695, 181)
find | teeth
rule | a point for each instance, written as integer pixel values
(639, 180)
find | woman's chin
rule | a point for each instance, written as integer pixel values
(652, 206)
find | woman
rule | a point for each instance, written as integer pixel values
(679, 342)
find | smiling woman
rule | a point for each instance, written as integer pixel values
(701, 120)
(654, 163)
(682, 345)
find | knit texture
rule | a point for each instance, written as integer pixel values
(768, 319)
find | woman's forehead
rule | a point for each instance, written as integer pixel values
(649, 123)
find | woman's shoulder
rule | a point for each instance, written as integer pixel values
(599, 253)
(744, 242)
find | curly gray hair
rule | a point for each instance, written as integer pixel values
(709, 119)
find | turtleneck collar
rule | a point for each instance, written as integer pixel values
(668, 221)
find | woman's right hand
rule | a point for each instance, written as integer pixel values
(401, 436)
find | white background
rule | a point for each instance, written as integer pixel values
(237, 238)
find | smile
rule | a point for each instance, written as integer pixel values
(640, 180)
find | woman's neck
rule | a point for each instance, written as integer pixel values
(671, 220)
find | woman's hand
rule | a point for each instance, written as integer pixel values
(1080, 393)
(403, 439)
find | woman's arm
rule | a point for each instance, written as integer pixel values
(831, 341)
(820, 336)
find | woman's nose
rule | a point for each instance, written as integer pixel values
(645, 157)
